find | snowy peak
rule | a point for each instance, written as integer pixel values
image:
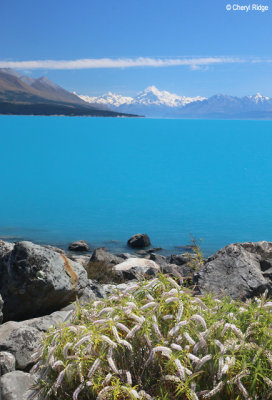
(148, 97)
(258, 98)
(109, 98)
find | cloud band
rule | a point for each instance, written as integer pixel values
(90, 63)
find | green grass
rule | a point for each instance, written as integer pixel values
(157, 341)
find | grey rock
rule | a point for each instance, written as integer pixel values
(140, 240)
(102, 256)
(56, 249)
(240, 270)
(137, 268)
(22, 339)
(16, 385)
(91, 292)
(7, 362)
(79, 245)
(37, 280)
(154, 249)
(83, 260)
(181, 259)
(162, 261)
(125, 256)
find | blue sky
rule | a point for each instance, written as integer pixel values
(217, 51)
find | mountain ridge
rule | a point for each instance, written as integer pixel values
(152, 102)
(22, 95)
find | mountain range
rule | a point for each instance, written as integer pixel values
(23, 95)
(155, 103)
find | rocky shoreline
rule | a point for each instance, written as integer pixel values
(39, 284)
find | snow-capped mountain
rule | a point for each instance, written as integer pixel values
(258, 98)
(155, 103)
(150, 102)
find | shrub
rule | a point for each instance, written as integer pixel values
(157, 341)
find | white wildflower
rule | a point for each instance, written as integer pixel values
(180, 311)
(151, 298)
(106, 310)
(147, 340)
(108, 340)
(123, 327)
(171, 378)
(115, 334)
(65, 350)
(171, 293)
(126, 344)
(57, 364)
(176, 347)
(230, 361)
(193, 358)
(132, 392)
(200, 319)
(100, 321)
(156, 326)
(267, 381)
(135, 329)
(82, 340)
(129, 379)
(105, 390)
(180, 369)
(242, 389)
(220, 345)
(148, 305)
(131, 288)
(200, 302)
(145, 395)
(202, 361)
(97, 303)
(168, 316)
(112, 364)
(237, 331)
(94, 367)
(171, 300)
(136, 318)
(177, 327)
(59, 380)
(107, 379)
(189, 339)
(215, 390)
(174, 283)
(152, 283)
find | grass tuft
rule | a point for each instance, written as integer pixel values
(157, 341)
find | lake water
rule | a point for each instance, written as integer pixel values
(104, 179)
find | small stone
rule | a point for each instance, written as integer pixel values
(138, 241)
(79, 245)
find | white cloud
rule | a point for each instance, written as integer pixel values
(90, 63)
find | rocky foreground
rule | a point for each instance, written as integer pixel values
(38, 285)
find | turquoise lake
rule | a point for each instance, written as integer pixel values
(104, 179)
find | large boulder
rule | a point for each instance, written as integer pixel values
(79, 245)
(139, 241)
(22, 339)
(36, 280)
(240, 270)
(136, 268)
(16, 385)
